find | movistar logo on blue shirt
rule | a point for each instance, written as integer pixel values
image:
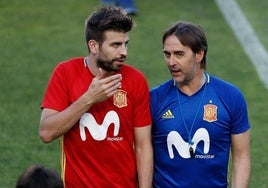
(175, 141)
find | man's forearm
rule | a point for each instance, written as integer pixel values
(145, 167)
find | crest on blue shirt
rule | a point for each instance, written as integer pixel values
(120, 98)
(210, 113)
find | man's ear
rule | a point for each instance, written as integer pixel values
(93, 46)
(199, 56)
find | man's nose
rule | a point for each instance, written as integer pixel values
(172, 60)
(123, 50)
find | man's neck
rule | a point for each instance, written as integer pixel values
(194, 85)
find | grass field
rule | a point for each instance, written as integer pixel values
(35, 35)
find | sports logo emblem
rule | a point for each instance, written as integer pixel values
(120, 98)
(176, 142)
(99, 131)
(210, 113)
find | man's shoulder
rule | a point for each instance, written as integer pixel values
(223, 87)
(163, 87)
(71, 62)
(220, 83)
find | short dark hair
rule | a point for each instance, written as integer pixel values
(190, 35)
(104, 19)
(37, 176)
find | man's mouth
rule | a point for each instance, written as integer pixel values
(175, 71)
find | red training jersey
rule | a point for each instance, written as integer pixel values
(98, 151)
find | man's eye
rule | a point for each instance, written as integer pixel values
(167, 55)
(116, 45)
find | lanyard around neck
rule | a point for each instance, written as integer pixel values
(189, 131)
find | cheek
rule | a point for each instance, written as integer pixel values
(193, 68)
(104, 54)
(110, 53)
(166, 60)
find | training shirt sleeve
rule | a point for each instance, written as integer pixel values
(142, 102)
(235, 103)
(140, 95)
(56, 93)
(239, 114)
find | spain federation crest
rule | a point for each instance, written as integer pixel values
(210, 113)
(120, 98)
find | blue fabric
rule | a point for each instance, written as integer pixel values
(127, 5)
(222, 112)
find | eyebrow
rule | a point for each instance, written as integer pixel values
(174, 52)
(119, 43)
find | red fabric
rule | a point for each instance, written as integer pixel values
(97, 161)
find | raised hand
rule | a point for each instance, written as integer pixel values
(102, 86)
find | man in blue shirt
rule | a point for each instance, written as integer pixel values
(197, 118)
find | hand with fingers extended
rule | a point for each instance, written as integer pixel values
(102, 87)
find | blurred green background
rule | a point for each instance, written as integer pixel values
(35, 35)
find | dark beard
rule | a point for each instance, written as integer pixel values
(105, 65)
(108, 65)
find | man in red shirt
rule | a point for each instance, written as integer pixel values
(99, 107)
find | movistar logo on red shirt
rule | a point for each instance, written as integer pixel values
(99, 131)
